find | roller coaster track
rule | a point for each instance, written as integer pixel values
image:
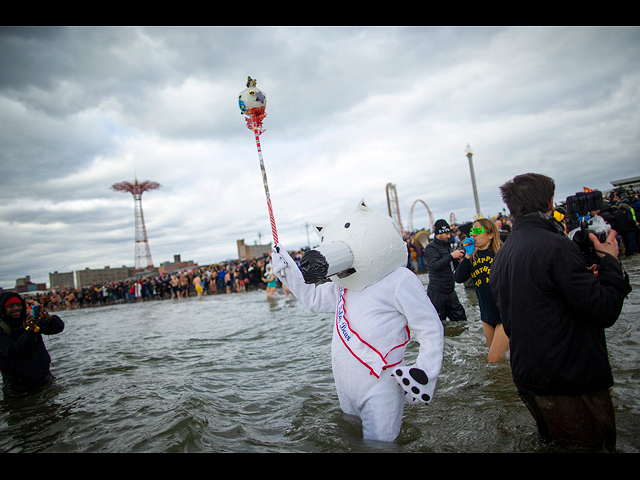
(392, 203)
(411, 214)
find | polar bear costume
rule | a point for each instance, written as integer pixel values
(379, 305)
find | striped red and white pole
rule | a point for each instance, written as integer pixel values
(274, 230)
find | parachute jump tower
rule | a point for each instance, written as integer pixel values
(143, 253)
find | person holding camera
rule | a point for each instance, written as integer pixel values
(555, 308)
(24, 359)
(441, 263)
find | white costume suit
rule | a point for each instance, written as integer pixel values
(379, 314)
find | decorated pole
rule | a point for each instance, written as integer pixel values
(253, 102)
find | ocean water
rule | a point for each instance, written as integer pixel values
(241, 373)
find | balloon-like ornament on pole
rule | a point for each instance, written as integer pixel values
(253, 102)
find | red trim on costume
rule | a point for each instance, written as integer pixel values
(341, 308)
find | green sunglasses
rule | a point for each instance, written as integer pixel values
(478, 231)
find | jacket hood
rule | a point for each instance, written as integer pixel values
(542, 219)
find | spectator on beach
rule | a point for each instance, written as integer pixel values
(228, 279)
(555, 310)
(499, 222)
(420, 256)
(213, 275)
(413, 255)
(175, 286)
(184, 285)
(239, 279)
(197, 284)
(24, 359)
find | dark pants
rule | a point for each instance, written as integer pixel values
(582, 423)
(447, 305)
(629, 243)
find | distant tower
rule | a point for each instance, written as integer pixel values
(143, 253)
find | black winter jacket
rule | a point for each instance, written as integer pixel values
(24, 359)
(554, 310)
(624, 220)
(437, 255)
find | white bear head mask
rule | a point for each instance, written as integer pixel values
(365, 244)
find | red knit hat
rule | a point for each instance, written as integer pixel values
(12, 300)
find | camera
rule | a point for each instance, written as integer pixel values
(35, 311)
(581, 204)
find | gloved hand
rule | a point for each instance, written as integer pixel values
(279, 259)
(469, 245)
(414, 381)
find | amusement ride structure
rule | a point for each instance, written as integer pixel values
(392, 204)
(428, 210)
(394, 207)
(143, 259)
(394, 212)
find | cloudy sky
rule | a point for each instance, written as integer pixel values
(349, 110)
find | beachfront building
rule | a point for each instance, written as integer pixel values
(25, 284)
(250, 252)
(632, 182)
(98, 276)
(61, 281)
(176, 265)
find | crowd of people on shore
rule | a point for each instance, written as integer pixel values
(221, 278)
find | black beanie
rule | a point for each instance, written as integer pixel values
(441, 226)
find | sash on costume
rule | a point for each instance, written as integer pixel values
(375, 361)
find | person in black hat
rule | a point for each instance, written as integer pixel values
(24, 359)
(442, 262)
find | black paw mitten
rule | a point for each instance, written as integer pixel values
(415, 383)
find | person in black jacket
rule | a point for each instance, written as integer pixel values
(441, 262)
(555, 309)
(24, 359)
(627, 225)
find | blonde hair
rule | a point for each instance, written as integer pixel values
(491, 229)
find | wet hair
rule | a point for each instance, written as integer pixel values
(528, 193)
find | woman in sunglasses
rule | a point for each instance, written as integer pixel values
(477, 266)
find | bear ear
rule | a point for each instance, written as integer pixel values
(318, 229)
(363, 206)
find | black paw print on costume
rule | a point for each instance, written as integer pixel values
(413, 380)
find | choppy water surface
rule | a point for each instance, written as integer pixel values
(240, 373)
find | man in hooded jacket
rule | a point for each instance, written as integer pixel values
(24, 359)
